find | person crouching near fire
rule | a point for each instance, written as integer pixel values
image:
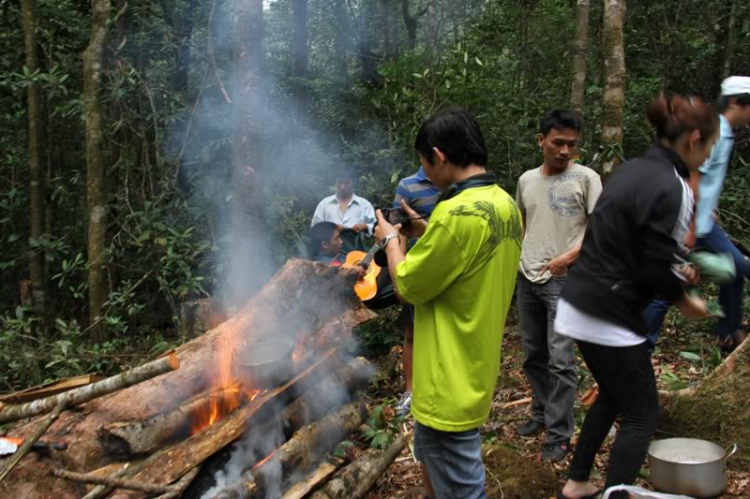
(326, 243)
(460, 277)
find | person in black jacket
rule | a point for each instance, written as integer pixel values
(630, 254)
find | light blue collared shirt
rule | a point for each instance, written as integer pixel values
(713, 173)
(358, 211)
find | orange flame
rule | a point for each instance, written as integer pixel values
(229, 393)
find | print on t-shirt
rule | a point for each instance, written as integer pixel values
(563, 194)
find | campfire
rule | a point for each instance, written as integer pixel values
(238, 382)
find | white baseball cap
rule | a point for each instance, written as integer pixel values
(735, 85)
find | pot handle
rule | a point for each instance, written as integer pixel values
(729, 453)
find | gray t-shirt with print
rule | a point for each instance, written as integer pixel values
(556, 210)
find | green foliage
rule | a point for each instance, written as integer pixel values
(382, 426)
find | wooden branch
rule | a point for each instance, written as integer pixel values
(84, 394)
(128, 470)
(304, 486)
(359, 477)
(181, 485)
(29, 442)
(112, 482)
(184, 456)
(48, 389)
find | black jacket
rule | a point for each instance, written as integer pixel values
(633, 239)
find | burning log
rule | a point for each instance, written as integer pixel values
(303, 450)
(326, 396)
(123, 440)
(310, 302)
(359, 477)
(184, 456)
(89, 392)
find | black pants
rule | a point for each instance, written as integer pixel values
(627, 393)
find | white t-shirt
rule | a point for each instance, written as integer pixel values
(581, 326)
(556, 210)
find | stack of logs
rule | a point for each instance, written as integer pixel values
(134, 435)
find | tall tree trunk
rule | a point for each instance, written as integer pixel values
(726, 67)
(185, 22)
(578, 86)
(367, 57)
(249, 233)
(431, 36)
(301, 52)
(93, 58)
(410, 21)
(614, 80)
(36, 167)
(342, 27)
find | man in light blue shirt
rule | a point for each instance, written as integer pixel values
(346, 209)
(734, 106)
(735, 112)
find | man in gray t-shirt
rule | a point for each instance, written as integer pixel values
(555, 200)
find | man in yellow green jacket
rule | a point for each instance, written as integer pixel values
(460, 277)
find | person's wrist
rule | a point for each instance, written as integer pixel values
(388, 238)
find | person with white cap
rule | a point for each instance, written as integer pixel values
(734, 106)
(705, 233)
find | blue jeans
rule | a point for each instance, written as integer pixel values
(730, 295)
(453, 461)
(654, 314)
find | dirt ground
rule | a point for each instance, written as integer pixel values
(682, 359)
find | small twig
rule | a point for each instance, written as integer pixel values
(181, 485)
(28, 443)
(114, 482)
(212, 53)
(516, 402)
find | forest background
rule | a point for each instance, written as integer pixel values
(156, 152)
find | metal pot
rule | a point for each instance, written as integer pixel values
(264, 365)
(689, 466)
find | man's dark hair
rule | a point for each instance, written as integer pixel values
(321, 232)
(742, 100)
(560, 119)
(456, 133)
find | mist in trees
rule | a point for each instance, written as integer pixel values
(141, 139)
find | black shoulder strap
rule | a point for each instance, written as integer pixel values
(481, 180)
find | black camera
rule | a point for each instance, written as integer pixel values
(396, 216)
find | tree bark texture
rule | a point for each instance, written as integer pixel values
(36, 167)
(301, 51)
(313, 302)
(614, 80)
(356, 480)
(430, 46)
(578, 85)
(93, 58)
(726, 67)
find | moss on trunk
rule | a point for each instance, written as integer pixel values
(716, 410)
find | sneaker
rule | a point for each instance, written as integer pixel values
(555, 452)
(404, 404)
(530, 429)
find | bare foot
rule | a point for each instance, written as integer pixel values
(576, 490)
